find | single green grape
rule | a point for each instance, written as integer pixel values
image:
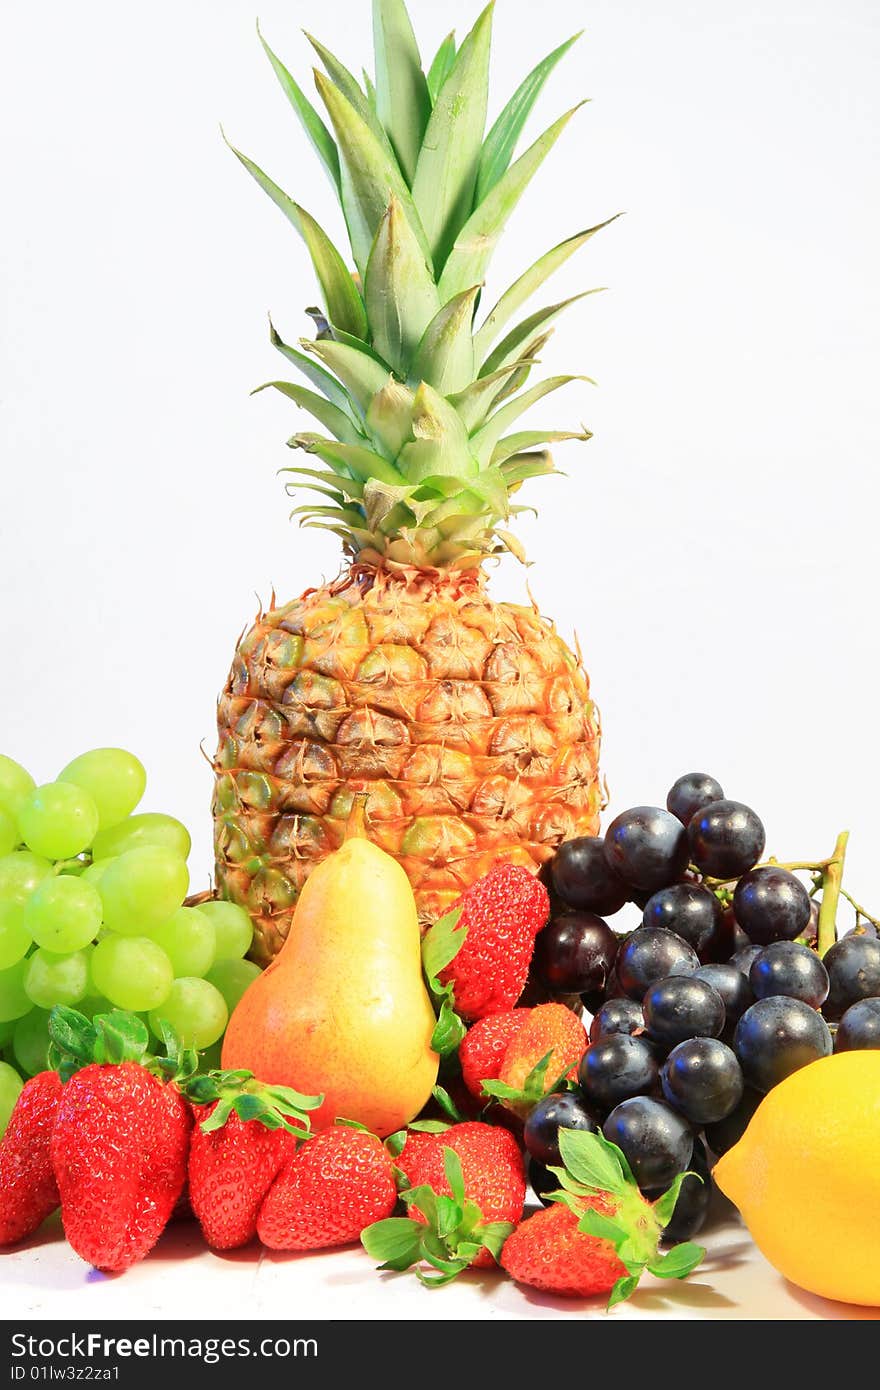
(232, 978)
(9, 832)
(15, 939)
(6, 1031)
(142, 889)
(132, 972)
(148, 828)
(30, 1042)
(94, 1003)
(63, 914)
(196, 1011)
(96, 871)
(116, 779)
(188, 939)
(10, 1090)
(16, 784)
(14, 1000)
(233, 928)
(52, 979)
(58, 820)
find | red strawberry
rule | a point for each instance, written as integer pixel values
(547, 1251)
(503, 913)
(481, 1051)
(553, 1040)
(119, 1150)
(230, 1172)
(333, 1186)
(28, 1191)
(491, 1169)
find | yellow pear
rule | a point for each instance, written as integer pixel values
(343, 1010)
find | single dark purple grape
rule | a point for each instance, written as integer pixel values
(726, 939)
(785, 968)
(617, 1016)
(859, 1028)
(582, 877)
(810, 934)
(776, 1037)
(703, 1080)
(691, 793)
(732, 985)
(682, 1007)
(694, 1198)
(770, 904)
(726, 839)
(687, 909)
(542, 1181)
(743, 958)
(722, 1135)
(650, 954)
(853, 966)
(647, 847)
(615, 1068)
(574, 953)
(562, 1110)
(862, 928)
(656, 1142)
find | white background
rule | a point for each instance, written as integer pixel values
(713, 546)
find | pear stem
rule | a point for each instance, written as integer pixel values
(356, 825)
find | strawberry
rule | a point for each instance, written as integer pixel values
(467, 1187)
(119, 1150)
(481, 1051)
(230, 1172)
(600, 1233)
(333, 1186)
(545, 1050)
(28, 1190)
(547, 1251)
(501, 914)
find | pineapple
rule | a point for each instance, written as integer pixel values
(467, 722)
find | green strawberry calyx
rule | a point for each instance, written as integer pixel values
(117, 1037)
(440, 945)
(522, 1099)
(453, 1237)
(594, 1167)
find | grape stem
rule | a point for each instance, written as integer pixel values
(859, 910)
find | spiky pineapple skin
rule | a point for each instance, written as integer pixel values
(467, 722)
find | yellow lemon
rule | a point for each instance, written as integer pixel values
(806, 1177)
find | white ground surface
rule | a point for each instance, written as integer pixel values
(46, 1280)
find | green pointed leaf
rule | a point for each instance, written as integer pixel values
(448, 1031)
(343, 303)
(513, 544)
(445, 356)
(484, 441)
(493, 1234)
(592, 1160)
(395, 1241)
(370, 176)
(347, 84)
(678, 1262)
(402, 99)
(400, 291)
(520, 467)
(520, 443)
(361, 463)
(440, 444)
(623, 1289)
(501, 141)
(664, 1206)
(337, 421)
(335, 485)
(441, 944)
(454, 1176)
(595, 1223)
(313, 372)
(441, 66)
(311, 122)
(525, 332)
(446, 173)
(478, 238)
(523, 288)
(447, 1104)
(71, 1032)
(389, 417)
(359, 371)
(476, 400)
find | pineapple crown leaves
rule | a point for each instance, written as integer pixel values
(414, 396)
(117, 1037)
(440, 945)
(451, 1236)
(594, 1167)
